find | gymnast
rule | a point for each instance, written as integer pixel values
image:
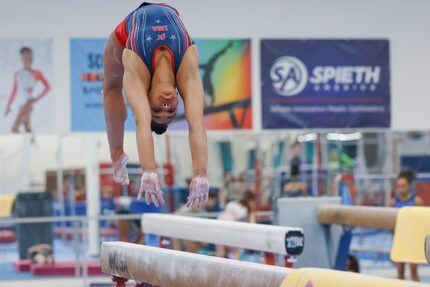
(150, 55)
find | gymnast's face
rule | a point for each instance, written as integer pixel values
(402, 187)
(163, 101)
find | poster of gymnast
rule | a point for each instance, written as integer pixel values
(225, 69)
(27, 104)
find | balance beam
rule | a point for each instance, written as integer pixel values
(358, 216)
(165, 267)
(269, 238)
(328, 227)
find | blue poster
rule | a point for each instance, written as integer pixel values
(325, 84)
(86, 80)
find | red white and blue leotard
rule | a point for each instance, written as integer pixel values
(25, 80)
(151, 27)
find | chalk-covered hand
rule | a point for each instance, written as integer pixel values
(199, 191)
(120, 174)
(150, 188)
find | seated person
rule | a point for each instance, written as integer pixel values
(192, 246)
(242, 210)
(294, 187)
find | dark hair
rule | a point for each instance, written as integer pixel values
(25, 49)
(295, 171)
(213, 194)
(157, 128)
(245, 199)
(409, 175)
(352, 264)
(295, 166)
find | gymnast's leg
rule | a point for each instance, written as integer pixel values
(114, 107)
(27, 120)
(19, 120)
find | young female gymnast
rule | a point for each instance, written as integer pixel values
(150, 55)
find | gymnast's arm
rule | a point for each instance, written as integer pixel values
(136, 83)
(12, 94)
(191, 89)
(39, 76)
(418, 201)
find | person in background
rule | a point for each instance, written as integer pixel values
(25, 80)
(127, 228)
(242, 210)
(294, 187)
(352, 264)
(223, 193)
(192, 246)
(234, 187)
(405, 196)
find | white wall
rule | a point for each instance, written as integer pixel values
(405, 23)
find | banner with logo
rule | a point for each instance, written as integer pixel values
(325, 84)
(225, 69)
(86, 84)
(27, 104)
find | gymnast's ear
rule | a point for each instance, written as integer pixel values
(159, 129)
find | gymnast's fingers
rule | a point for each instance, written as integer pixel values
(190, 202)
(196, 202)
(199, 201)
(141, 192)
(154, 200)
(147, 197)
(160, 197)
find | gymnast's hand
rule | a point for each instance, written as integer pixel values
(199, 192)
(150, 188)
(120, 174)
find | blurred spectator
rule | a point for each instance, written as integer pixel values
(127, 227)
(294, 186)
(243, 210)
(234, 187)
(405, 196)
(191, 246)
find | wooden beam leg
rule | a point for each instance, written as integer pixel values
(343, 250)
(119, 282)
(289, 261)
(269, 258)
